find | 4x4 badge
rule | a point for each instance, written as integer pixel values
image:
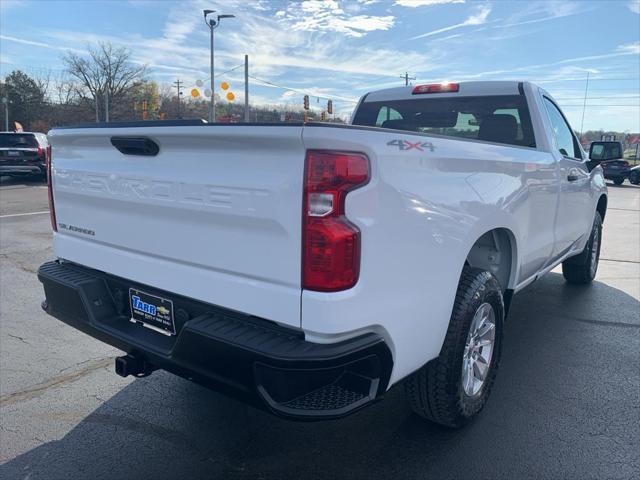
(407, 145)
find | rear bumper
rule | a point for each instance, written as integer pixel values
(23, 168)
(251, 359)
(615, 175)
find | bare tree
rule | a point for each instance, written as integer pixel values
(65, 92)
(107, 70)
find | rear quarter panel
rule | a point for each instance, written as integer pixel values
(419, 217)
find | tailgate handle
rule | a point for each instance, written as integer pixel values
(136, 146)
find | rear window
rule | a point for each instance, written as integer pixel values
(605, 150)
(502, 119)
(17, 140)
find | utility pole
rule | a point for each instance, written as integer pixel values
(584, 105)
(246, 88)
(97, 109)
(177, 84)
(407, 78)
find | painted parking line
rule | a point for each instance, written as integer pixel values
(23, 214)
(20, 187)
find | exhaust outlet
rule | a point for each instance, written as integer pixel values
(135, 366)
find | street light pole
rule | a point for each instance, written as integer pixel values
(212, 107)
(213, 24)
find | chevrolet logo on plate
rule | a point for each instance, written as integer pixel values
(163, 310)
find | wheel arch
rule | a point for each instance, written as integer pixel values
(496, 251)
(601, 207)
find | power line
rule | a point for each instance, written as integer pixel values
(232, 69)
(603, 79)
(267, 82)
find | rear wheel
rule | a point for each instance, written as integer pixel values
(582, 268)
(453, 388)
(618, 181)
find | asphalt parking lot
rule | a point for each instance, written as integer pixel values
(566, 403)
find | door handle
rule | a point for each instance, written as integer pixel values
(573, 175)
(136, 146)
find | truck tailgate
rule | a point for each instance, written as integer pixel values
(215, 215)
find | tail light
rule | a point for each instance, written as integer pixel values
(40, 151)
(330, 242)
(436, 88)
(52, 210)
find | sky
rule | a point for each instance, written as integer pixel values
(341, 49)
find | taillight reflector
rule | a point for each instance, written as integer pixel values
(436, 88)
(330, 242)
(52, 210)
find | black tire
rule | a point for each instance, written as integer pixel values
(634, 178)
(582, 268)
(435, 392)
(618, 181)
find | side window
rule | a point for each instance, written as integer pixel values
(387, 113)
(564, 138)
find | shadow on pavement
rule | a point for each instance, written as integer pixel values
(624, 185)
(562, 407)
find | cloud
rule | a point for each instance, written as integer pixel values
(536, 12)
(5, 58)
(295, 58)
(634, 6)
(328, 15)
(629, 48)
(562, 69)
(477, 18)
(6, 5)
(422, 3)
(38, 44)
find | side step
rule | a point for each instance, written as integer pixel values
(346, 393)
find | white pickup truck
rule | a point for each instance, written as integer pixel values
(308, 268)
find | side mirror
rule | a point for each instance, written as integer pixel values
(602, 151)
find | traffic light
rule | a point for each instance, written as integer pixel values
(330, 107)
(306, 102)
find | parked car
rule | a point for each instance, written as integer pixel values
(634, 175)
(616, 170)
(609, 156)
(23, 154)
(308, 268)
